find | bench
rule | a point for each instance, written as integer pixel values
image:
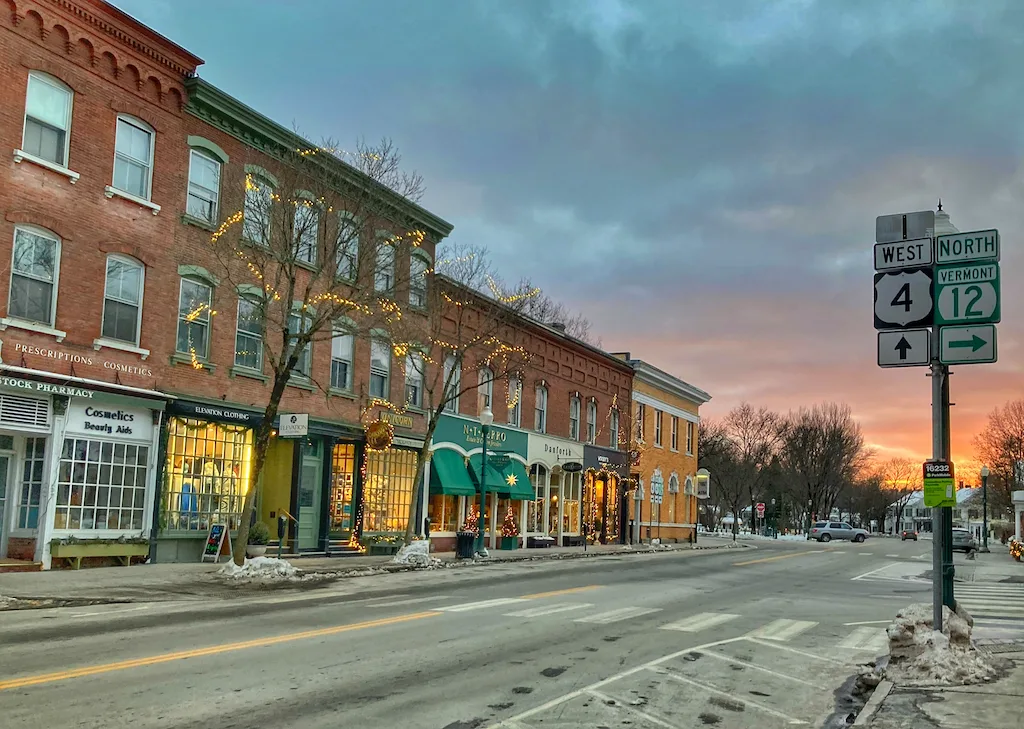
(574, 541)
(74, 553)
(540, 542)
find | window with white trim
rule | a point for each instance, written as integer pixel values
(658, 417)
(101, 485)
(540, 409)
(380, 369)
(35, 269)
(346, 251)
(574, 418)
(194, 300)
(641, 416)
(689, 438)
(306, 230)
(297, 326)
(418, 267)
(122, 299)
(414, 380)
(613, 428)
(47, 118)
(515, 394)
(384, 270)
(342, 350)
(486, 388)
(203, 186)
(591, 422)
(454, 389)
(133, 157)
(675, 433)
(249, 335)
(259, 197)
(30, 499)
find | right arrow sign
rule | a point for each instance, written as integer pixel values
(968, 345)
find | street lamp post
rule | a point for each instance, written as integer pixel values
(984, 509)
(486, 418)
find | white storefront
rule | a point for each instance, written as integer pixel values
(556, 512)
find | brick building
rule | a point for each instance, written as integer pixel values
(126, 405)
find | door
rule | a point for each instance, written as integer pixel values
(342, 488)
(311, 470)
(4, 468)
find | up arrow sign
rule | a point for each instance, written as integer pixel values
(904, 348)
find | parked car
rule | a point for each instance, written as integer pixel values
(964, 541)
(909, 534)
(826, 531)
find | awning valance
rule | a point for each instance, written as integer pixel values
(448, 474)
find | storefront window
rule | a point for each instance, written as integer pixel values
(31, 483)
(343, 467)
(535, 508)
(443, 510)
(208, 474)
(101, 485)
(571, 504)
(387, 493)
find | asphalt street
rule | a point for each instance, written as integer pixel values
(726, 638)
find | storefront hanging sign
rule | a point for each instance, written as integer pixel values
(397, 420)
(554, 451)
(606, 459)
(293, 425)
(44, 387)
(468, 435)
(107, 420)
(204, 411)
(379, 435)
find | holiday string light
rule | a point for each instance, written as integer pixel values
(509, 528)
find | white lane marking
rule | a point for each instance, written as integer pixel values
(699, 622)
(631, 709)
(558, 607)
(874, 571)
(465, 607)
(783, 629)
(109, 612)
(559, 700)
(779, 646)
(893, 556)
(865, 554)
(869, 622)
(865, 639)
(748, 664)
(614, 616)
(712, 690)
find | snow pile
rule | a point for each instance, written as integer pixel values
(260, 569)
(919, 655)
(416, 554)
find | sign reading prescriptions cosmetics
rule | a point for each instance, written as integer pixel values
(88, 359)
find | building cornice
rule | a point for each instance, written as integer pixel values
(231, 116)
(650, 375)
(653, 402)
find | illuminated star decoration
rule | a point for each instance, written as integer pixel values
(511, 479)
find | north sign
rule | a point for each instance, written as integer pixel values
(968, 345)
(980, 245)
(967, 294)
(903, 299)
(904, 226)
(904, 348)
(903, 254)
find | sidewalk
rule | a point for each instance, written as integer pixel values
(193, 580)
(996, 566)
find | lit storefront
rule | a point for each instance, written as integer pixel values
(556, 509)
(605, 483)
(456, 471)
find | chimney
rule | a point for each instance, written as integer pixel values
(557, 326)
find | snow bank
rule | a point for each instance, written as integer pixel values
(416, 554)
(260, 569)
(920, 656)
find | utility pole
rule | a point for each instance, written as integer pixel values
(938, 445)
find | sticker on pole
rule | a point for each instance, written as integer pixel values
(939, 485)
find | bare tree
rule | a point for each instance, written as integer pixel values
(322, 247)
(547, 310)
(467, 343)
(823, 449)
(1000, 446)
(898, 479)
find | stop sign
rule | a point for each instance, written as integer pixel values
(760, 509)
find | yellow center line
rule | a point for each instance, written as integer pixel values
(568, 591)
(208, 651)
(772, 559)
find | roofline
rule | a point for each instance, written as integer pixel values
(106, 8)
(648, 373)
(202, 93)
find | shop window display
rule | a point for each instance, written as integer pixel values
(387, 490)
(101, 485)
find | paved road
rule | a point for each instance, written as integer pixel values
(730, 639)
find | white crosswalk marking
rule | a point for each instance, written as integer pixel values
(699, 622)
(614, 616)
(464, 607)
(999, 600)
(783, 629)
(866, 639)
(558, 607)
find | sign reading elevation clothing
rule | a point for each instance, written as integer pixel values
(468, 435)
(204, 411)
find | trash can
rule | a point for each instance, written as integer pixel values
(464, 544)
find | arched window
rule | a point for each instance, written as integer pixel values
(35, 269)
(346, 248)
(540, 409)
(419, 264)
(122, 299)
(384, 270)
(514, 399)
(574, 418)
(259, 199)
(486, 387)
(47, 118)
(133, 157)
(452, 370)
(591, 421)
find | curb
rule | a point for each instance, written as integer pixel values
(874, 703)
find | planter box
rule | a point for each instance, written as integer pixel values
(75, 552)
(509, 543)
(383, 549)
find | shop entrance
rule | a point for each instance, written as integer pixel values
(5, 462)
(343, 479)
(601, 508)
(310, 475)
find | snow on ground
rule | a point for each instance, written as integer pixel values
(748, 535)
(920, 656)
(260, 569)
(416, 554)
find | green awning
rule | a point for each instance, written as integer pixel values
(448, 474)
(495, 479)
(521, 489)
